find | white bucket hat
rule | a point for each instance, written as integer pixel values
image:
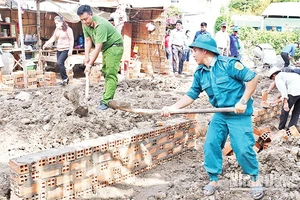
(272, 71)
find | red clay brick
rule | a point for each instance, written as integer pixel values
(265, 104)
(279, 134)
(256, 131)
(19, 168)
(159, 123)
(27, 190)
(256, 148)
(162, 155)
(79, 165)
(92, 170)
(177, 150)
(294, 131)
(256, 119)
(169, 145)
(61, 180)
(192, 130)
(153, 150)
(178, 134)
(190, 144)
(138, 156)
(163, 140)
(50, 173)
(99, 158)
(19, 179)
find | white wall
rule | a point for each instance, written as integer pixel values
(197, 11)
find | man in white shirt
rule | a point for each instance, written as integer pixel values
(223, 40)
(288, 86)
(177, 42)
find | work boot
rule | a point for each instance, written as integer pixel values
(65, 82)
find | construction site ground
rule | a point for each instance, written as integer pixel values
(38, 119)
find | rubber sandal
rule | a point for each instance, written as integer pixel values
(257, 192)
(209, 190)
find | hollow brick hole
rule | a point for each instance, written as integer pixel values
(52, 160)
(24, 168)
(88, 151)
(65, 168)
(79, 154)
(96, 149)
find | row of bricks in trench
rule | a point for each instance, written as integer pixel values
(63, 175)
(76, 171)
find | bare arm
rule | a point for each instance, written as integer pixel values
(228, 45)
(250, 88)
(271, 87)
(95, 53)
(51, 40)
(183, 102)
(71, 39)
(228, 42)
(87, 49)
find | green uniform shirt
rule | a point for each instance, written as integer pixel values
(103, 33)
(223, 82)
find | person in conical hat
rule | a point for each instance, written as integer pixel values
(227, 83)
(287, 82)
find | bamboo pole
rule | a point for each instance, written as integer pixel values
(23, 58)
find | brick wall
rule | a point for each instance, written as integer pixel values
(75, 171)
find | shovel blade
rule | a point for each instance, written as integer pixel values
(82, 111)
(119, 105)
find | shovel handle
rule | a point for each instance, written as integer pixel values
(87, 84)
(182, 111)
(204, 110)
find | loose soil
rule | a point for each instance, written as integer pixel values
(39, 119)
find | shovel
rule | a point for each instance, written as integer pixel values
(83, 110)
(73, 96)
(126, 107)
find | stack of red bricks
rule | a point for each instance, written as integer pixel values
(40, 77)
(18, 79)
(95, 75)
(34, 79)
(263, 135)
(264, 114)
(8, 82)
(50, 78)
(75, 171)
(31, 79)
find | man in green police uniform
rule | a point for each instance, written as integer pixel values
(107, 39)
(228, 83)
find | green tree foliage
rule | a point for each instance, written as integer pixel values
(173, 11)
(220, 20)
(255, 7)
(173, 14)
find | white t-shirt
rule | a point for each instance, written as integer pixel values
(222, 39)
(288, 83)
(177, 37)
